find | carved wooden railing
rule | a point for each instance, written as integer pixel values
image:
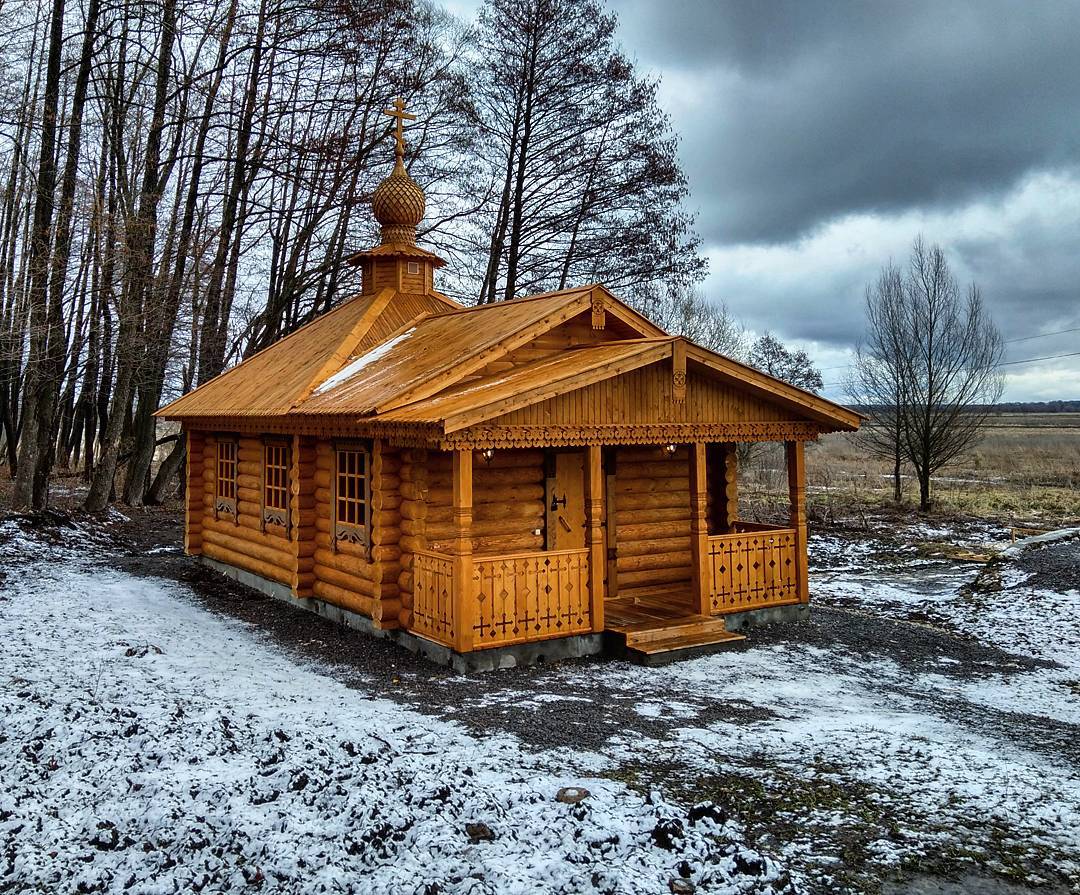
(433, 596)
(753, 568)
(530, 596)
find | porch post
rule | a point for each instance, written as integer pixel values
(796, 472)
(462, 548)
(594, 534)
(699, 530)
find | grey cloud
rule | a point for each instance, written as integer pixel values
(814, 110)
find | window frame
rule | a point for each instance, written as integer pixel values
(223, 502)
(352, 532)
(273, 514)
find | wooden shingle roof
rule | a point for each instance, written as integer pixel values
(406, 359)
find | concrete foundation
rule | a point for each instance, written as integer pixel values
(481, 660)
(770, 615)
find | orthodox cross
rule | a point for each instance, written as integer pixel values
(399, 113)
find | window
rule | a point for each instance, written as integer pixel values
(276, 484)
(414, 267)
(351, 517)
(226, 477)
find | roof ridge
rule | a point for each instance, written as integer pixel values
(504, 302)
(379, 303)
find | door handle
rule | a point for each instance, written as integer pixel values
(565, 524)
(556, 501)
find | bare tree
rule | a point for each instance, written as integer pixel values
(685, 312)
(875, 381)
(951, 355)
(771, 356)
(583, 181)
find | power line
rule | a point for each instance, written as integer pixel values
(1075, 329)
(1032, 360)
(1057, 332)
(1007, 363)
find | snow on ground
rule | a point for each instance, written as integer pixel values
(149, 745)
(859, 765)
(929, 723)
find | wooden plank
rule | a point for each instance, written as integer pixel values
(464, 602)
(594, 482)
(699, 529)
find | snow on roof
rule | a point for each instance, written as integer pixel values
(364, 360)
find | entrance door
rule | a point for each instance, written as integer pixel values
(566, 500)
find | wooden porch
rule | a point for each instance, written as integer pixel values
(472, 601)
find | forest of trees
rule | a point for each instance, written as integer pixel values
(181, 179)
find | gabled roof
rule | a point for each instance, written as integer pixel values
(401, 358)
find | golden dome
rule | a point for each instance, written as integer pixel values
(398, 203)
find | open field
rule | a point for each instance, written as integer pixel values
(1025, 470)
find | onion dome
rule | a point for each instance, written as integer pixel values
(398, 203)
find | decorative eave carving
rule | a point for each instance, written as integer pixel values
(656, 433)
(424, 435)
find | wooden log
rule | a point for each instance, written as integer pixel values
(413, 510)
(666, 545)
(386, 500)
(280, 558)
(411, 543)
(326, 570)
(513, 476)
(655, 561)
(344, 598)
(509, 513)
(674, 497)
(653, 531)
(249, 563)
(253, 482)
(643, 516)
(486, 527)
(651, 485)
(653, 470)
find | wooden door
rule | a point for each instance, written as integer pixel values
(566, 501)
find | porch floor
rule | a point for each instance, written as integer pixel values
(661, 627)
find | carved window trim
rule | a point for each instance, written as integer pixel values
(227, 459)
(351, 506)
(277, 461)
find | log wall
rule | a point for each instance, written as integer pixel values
(242, 540)
(359, 578)
(651, 516)
(508, 502)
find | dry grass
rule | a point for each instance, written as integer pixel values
(1025, 469)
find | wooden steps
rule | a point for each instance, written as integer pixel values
(651, 635)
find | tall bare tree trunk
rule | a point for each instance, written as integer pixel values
(35, 435)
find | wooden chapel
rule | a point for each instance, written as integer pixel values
(530, 479)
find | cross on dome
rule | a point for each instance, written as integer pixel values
(398, 112)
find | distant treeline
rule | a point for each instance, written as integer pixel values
(1006, 407)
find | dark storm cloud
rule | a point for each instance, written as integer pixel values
(797, 113)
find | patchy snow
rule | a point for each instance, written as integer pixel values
(358, 364)
(150, 745)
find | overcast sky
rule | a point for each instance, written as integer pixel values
(820, 137)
